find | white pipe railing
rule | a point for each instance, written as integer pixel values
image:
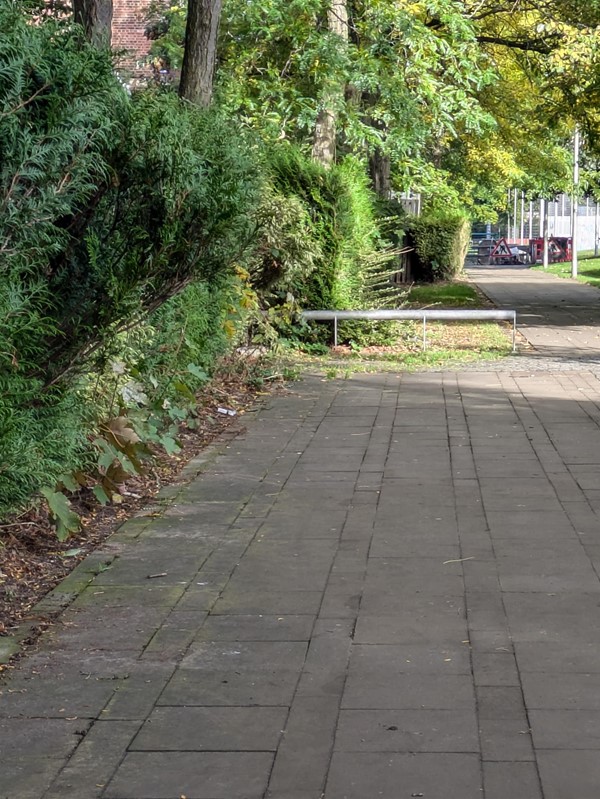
(424, 316)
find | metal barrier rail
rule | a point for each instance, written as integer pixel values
(415, 315)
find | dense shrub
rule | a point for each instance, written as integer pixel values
(342, 233)
(111, 205)
(441, 244)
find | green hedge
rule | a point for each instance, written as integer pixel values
(113, 206)
(440, 246)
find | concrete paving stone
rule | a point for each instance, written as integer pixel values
(196, 775)
(369, 480)
(68, 692)
(494, 668)
(211, 513)
(356, 775)
(423, 546)
(436, 659)
(507, 503)
(565, 729)
(477, 546)
(351, 556)
(303, 756)
(183, 528)
(40, 737)
(136, 569)
(411, 504)
(505, 740)
(215, 729)
(569, 773)
(445, 628)
(150, 594)
(364, 498)
(391, 539)
(171, 641)
(514, 780)
(517, 487)
(325, 669)
(198, 598)
(508, 467)
(351, 437)
(561, 656)
(342, 596)
(281, 552)
(94, 762)
(257, 508)
(277, 528)
(314, 794)
(295, 575)
(554, 616)
(501, 702)
(561, 691)
(252, 655)
(519, 583)
(485, 610)
(219, 488)
(236, 673)
(480, 574)
(390, 687)
(308, 477)
(139, 691)
(281, 603)
(491, 641)
(256, 628)
(121, 630)
(407, 731)
(27, 777)
(381, 597)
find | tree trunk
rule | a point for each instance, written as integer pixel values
(200, 55)
(380, 171)
(324, 142)
(95, 16)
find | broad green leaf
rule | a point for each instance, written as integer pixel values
(101, 495)
(197, 371)
(66, 520)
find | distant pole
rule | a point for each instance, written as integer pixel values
(575, 202)
(515, 217)
(530, 221)
(522, 236)
(508, 215)
(544, 232)
(596, 230)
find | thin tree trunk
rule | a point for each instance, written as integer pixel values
(95, 16)
(380, 171)
(200, 55)
(325, 130)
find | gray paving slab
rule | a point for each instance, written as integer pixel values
(386, 586)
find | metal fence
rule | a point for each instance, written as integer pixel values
(424, 316)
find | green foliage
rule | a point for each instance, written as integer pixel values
(65, 520)
(111, 205)
(445, 294)
(441, 244)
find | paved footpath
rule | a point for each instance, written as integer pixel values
(386, 587)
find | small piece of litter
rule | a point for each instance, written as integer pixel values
(458, 560)
(226, 412)
(153, 576)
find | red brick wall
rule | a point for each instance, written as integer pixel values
(129, 21)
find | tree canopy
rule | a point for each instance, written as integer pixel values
(458, 98)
